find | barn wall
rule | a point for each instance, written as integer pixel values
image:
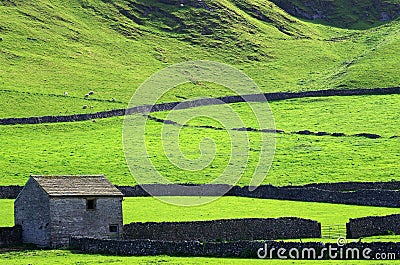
(70, 217)
(31, 212)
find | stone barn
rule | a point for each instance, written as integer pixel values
(50, 209)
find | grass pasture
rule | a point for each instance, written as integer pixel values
(48, 48)
(349, 115)
(96, 147)
(45, 104)
(44, 257)
(148, 209)
(141, 209)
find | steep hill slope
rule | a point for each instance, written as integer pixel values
(110, 47)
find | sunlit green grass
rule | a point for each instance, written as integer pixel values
(96, 148)
(51, 104)
(7, 212)
(349, 115)
(145, 209)
(52, 47)
(148, 209)
(76, 47)
(44, 257)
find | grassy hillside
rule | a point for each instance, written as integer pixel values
(111, 47)
(48, 48)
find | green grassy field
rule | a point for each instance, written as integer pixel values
(48, 48)
(349, 115)
(50, 104)
(150, 209)
(147, 209)
(66, 257)
(96, 147)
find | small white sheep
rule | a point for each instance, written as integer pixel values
(66, 93)
(85, 107)
(91, 93)
(87, 95)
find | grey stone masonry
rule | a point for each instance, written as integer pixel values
(52, 209)
(225, 230)
(10, 236)
(70, 217)
(32, 213)
(373, 226)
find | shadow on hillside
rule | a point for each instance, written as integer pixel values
(358, 26)
(357, 15)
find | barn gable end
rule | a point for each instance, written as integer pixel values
(32, 212)
(51, 209)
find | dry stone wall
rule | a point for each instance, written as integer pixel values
(10, 236)
(373, 226)
(241, 249)
(200, 102)
(225, 230)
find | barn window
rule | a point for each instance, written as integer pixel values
(91, 204)
(113, 228)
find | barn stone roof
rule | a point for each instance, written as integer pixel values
(77, 186)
